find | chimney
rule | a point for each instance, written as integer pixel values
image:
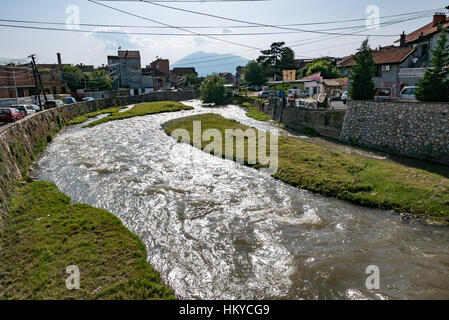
(439, 18)
(403, 39)
(59, 58)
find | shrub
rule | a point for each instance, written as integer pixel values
(213, 90)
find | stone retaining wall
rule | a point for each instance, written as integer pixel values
(418, 130)
(22, 141)
(327, 123)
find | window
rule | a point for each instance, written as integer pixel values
(378, 71)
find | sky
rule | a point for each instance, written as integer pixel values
(93, 48)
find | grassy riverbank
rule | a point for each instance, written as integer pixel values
(138, 110)
(44, 234)
(333, 173)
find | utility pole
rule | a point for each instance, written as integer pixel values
(39, 76)
(15, 86)
(36, 87)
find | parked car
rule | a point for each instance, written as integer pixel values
(408, 94)
(264, 94)
(87, 99)
(69, 100)
(253, 88)
(54, 103)
(10, 115)
(344, 97)
(36, 107)
(383, 94)
(22, 108)
(30, 109)
(296, 93)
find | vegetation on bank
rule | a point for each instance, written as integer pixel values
(87, 116)
(44, 234)
(138, 110)
(255, 113)
(333, 173)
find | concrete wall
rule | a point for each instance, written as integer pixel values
(327, 123)
(22, 141)
(418, 130)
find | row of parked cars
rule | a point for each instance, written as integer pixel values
(17, 112)
(20, 111)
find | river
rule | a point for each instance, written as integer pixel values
(218, 230)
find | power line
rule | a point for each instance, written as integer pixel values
(212, 27)
(302, 42)
(255, 23)
(165, 24)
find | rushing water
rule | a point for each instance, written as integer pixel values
(216, 229)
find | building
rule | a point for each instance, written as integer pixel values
(127, 66)
(239, 74)
(86, 68)
(178, 75)
(404, 65)
(424, 40)
(16, 82)
(388, 60)
(159, 71)
(229, 77)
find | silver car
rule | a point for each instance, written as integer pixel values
(408, 94)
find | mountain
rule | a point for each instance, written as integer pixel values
(207, 63)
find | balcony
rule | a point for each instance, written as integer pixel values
(416, 73)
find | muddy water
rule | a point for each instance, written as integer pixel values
(218, 230)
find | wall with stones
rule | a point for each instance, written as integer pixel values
(327, 123)
(22, 141)
(418, 130)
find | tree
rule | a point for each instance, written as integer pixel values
(74, 77)
(435, 84)
(325, 66)
(276, 59)
(213, 90)
(362, 85)
(254, 73)
(99, 80)
(191, 80)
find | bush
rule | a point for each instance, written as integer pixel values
(213, 90)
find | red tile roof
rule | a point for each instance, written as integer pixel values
(387, 55)
(427, 30)
(313, 77)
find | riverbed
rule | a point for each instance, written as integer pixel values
(218, 230)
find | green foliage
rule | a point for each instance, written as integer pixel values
(255, 113)
(191, 80)
(362, 85)
(44, 234)
(254, 74)
(435, 84)
(325, 66)
(213, 90)
(345, 176)
(76, 79)
(276, 59)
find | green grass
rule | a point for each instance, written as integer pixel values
(138, 110)
(255, 113)
(86, 117)
(333, 173)
(44, 234)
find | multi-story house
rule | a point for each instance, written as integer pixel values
(398, 66)
(127, 66)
